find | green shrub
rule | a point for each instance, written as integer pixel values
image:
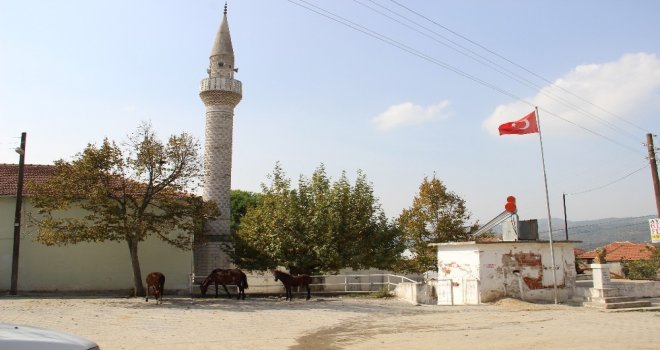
(382, 293)
(644, 269)
(641, 270)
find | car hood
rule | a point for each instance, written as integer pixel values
(14, 336)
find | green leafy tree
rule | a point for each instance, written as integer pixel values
(241, 202)
(127, 193)
(644, 269)
(318, 227)
(436, 215)
(237, 249)
(362, 234)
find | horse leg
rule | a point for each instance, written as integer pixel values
(289, 295)
(146, 298)
(216, 290)
(308, 292)
(226, 291)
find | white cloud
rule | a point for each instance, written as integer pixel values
(408, 113)
(627, 88)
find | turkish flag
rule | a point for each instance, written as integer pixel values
(526, 125)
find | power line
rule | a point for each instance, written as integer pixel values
(589, 130)
(515, 64)
(341, 20)
(609, 183)
(600, 223)
(493, 65)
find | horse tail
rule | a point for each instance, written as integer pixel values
(161, 283)
(244, 280)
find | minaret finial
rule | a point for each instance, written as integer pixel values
(225, 8)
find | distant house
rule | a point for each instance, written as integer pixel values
(102, 266)
(618, 252)
(579, 251)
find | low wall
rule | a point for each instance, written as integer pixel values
(417, 293)
(637, 289)
(628, 288)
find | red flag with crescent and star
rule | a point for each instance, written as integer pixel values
(526, 125)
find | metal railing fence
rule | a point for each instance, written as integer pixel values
(325, 284)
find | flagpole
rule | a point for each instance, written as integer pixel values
(547, 203)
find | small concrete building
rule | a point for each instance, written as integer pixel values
(478, 272)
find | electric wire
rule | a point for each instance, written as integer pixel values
(515, 64)
(495, 66)
(341, 20)
(600, 223)
(609, 183)
(390, 41)
(634, 150)
(614, 221)
(503, 70)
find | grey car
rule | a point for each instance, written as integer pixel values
(19, 337)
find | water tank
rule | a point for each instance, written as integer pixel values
(520, 230)
(528, 230)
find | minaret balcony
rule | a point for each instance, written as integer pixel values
(221, 84)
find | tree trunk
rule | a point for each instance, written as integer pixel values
(135, 263)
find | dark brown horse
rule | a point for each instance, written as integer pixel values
(292, 281)
(156, 281)
(224, 277)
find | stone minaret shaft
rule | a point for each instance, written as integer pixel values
(220, 93)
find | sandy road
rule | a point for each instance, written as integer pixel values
(332, 323)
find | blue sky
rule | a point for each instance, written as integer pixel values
(317, 91)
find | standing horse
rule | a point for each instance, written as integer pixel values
(224, 277)
(292, 281)
(156, 281)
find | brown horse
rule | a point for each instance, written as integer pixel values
(292, 281)
(224, 277)
(156, 281)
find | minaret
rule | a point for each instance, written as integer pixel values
(220, 93)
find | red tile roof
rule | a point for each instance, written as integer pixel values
(32, 172)
(39, 174)
(579, 251)
(618, 251)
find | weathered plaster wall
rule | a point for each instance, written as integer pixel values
(521, 270)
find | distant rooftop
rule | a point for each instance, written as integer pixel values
(618, 251)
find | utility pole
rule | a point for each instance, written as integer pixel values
(565, 219)
(654, 171)
(17, 216)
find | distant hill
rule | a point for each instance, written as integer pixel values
(597, 233)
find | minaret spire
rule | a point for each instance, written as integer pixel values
(222, 53)
(220, 93)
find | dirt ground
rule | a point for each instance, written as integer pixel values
(329, 323)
